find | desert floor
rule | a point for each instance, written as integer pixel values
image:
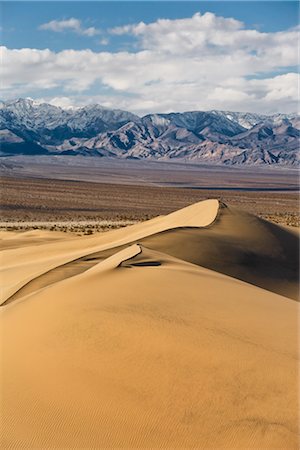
(176, 332)
(86, 195)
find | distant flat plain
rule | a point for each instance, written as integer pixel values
(85, 193)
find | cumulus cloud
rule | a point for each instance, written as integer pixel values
(202, 62)
(72, 24)
(211, 35)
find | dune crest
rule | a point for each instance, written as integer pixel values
(32, 262)
(208, 234)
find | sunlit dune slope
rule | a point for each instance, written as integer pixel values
(22, 266)
(208, 234)
(144, 350)
(16, 239)
(147, 337)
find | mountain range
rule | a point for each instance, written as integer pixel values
(206, 137)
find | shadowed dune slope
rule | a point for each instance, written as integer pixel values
(234, 243)
(240, 245)
(144, 350)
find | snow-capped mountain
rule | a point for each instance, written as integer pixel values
(208, 137)
(50, 124)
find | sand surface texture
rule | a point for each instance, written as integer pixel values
(180, 332)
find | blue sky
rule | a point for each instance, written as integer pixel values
(107, 36)
(21, 19)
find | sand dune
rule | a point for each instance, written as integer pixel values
(32, 262)
(17, 239)
(138, 338)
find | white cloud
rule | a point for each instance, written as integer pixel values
(210, 35)
(104, 41)
(72, 24)
(62, 102)
(202, 62)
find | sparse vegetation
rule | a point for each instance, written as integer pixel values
(292, 220)
(88, 207)
(79, 228)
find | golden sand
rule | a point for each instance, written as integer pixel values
(139, 338)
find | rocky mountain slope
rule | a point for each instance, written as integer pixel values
(207, 137)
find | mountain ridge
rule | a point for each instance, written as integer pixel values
(206, 137)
